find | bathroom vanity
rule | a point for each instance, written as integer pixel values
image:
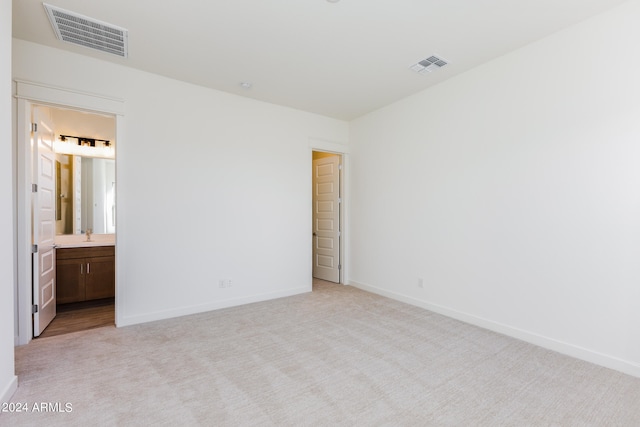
(84, 270)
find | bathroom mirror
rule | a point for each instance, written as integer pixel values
(85, 199)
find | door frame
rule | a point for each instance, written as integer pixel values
(26, 95)
(341, 149)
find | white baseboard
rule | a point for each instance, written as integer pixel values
(568, 349)
(210, 306)
(9, 390)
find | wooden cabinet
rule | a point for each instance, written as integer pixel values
(84, 274)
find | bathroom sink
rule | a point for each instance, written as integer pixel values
(80, 240)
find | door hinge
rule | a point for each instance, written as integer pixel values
(34, 249)
(339, 199)
(339, 233)
(339, 266)
(34, 308)
(34, 188)
(34, 127)
(339, 167)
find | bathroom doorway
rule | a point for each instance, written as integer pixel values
(69, 219)
(79, 290)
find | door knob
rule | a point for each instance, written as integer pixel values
(314, 233)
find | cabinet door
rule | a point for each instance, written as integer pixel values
(70, 280)
(100, 278)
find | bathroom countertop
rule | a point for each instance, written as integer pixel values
(80, 240)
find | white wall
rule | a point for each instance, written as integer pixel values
(210, 186)
(8, 380)
(513, 191)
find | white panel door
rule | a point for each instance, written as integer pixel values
(326, 218)
(43, 225)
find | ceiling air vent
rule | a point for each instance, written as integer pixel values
(430, 64)
(88, 32)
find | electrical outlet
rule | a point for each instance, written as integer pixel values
(229, 283)
(420, 283)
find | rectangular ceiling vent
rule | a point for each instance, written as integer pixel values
(430, 64)
(88, 32)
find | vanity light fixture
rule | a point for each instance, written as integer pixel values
(91, 142)
(89, 147)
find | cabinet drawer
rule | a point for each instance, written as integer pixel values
(89, 252)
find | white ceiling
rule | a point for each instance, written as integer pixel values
(88, 125)
(340, 59)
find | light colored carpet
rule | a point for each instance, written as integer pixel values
(337, 356)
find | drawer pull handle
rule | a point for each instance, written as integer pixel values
(88, 269)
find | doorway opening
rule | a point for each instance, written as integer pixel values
(48, 220)
(73, 220)
(327, 217)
